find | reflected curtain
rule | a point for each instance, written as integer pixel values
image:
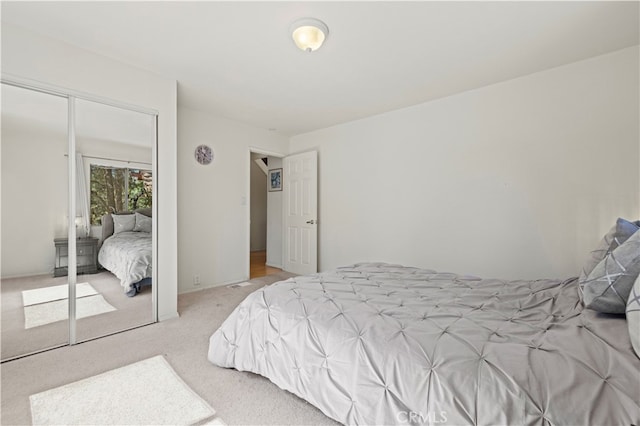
(83, 220)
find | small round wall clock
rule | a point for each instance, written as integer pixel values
(204, 154)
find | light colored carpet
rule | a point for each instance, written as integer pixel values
(16, 340)
(58, 310)
(147, 392)
(238, 397)
(56, 292)
(243, 284)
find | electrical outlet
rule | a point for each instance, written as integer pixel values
(196, 279)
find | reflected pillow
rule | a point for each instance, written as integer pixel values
(633, 316)
(123, 223)
(143, 223)
(624, 230)
(598, 254)
(618, 234)
(606, 289)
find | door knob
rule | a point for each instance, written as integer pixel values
(312, 222)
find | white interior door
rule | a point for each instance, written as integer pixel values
(300, 187)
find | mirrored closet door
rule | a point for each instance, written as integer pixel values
(34, 299)
(114, 156)
(76, 267)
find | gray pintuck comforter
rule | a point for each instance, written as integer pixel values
(384, 344)
(128, 255)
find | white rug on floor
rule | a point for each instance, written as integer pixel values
(148, 392)
(46, 313)
(56, 292)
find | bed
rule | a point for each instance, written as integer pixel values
(376, 343)
(126, 249)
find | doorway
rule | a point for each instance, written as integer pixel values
(265, 216)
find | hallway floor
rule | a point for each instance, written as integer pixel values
(258, 267)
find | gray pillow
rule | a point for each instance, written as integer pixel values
(624, 230)
(633, 316)
(123, 223)
(143, 223)
(617, 235)
(598, 254)
(607, 287)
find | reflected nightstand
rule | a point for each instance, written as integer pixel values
(86, 255)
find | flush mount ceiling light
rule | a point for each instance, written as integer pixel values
(309, 33)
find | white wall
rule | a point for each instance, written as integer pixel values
(111, 149)
(34, 189)
(34, 195)
(515, 180)
(30, 56)
(258, 208)
(213, 208)
(274, 221)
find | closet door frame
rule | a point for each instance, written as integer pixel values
(72, 271)
(71, 96)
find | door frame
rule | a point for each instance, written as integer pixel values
(247, 198)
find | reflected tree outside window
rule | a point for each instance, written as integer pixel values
(116, 189)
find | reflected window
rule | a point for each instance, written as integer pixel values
(117, 189)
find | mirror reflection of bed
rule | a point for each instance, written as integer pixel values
(126, 249)
(113, 175)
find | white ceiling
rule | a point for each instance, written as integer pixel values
(237, 60)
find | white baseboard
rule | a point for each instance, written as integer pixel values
(29, 275)
(168, 317)
(273, 265)
(206, 286)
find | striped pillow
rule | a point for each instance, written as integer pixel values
(607, 287)
(617, 235)
(633, 316)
